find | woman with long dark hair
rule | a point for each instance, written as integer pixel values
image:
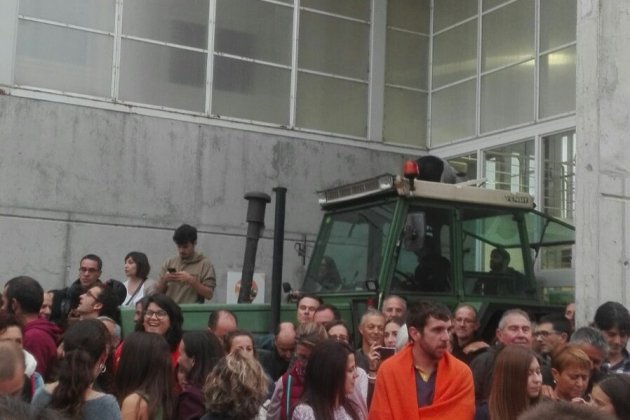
(164, 317)
(199, 352)
(516, 383)
(330, 377)
(144, 379)
(610, 395)
(86, 344)
(138, 284)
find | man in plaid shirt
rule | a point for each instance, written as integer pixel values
(613, 320)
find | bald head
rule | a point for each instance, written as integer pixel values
(285, 340)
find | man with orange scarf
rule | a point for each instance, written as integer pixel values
(443, 384)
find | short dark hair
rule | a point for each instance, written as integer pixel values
(559, 323)
(308, 295)
(612, 315)
(214, 316)
(185, 234)
(332, 308)
(110, 303)
(27, 292)
(142, 264)
(96, 258)
(420, 313)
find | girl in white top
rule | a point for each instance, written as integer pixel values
(137, 271)
(330, 378)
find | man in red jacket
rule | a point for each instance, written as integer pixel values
(443, 384)
(23, 297)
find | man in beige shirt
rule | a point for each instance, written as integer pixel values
(189, 276)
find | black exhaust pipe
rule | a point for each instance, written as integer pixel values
(255, 224)
(278, 250)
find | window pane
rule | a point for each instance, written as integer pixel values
(450, 12)
(251, 91)
(507, 97)
(508, 35)
(405, 117)
(243, 29)
(557, 82)
(168, 21)
(559, 175)
(359, 9)
(558, 19)
(406, 60)
(321, 100)
(95, 14)
(333, 45)
(412, 15)
(453, 113)
(64, 59)
(164, 76)
(466, 165)
(455, 54)
(511, 168)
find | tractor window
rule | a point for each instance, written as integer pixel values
(493, 254)
(424, 259)
(349, 250)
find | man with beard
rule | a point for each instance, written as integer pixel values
(613, 320)
(443, 384)
(515, 328)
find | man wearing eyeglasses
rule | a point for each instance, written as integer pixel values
(464, 341)
(552, 331)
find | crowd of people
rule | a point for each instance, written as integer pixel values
(62, 356)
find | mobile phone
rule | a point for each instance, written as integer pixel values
(386, 352)
(171, 270)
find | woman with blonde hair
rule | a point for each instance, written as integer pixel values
(571, 370)
(516, 383)
(235, 389)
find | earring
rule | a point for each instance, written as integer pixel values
(103, 368)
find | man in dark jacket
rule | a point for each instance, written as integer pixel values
(23, 299)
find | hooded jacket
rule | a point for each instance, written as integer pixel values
(40, 339)
(198, 266)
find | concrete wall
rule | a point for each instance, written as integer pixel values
(77, 180)
(603, 155)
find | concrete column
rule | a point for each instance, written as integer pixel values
(603, 155)
(8, 34)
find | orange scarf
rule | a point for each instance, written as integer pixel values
(395, 392)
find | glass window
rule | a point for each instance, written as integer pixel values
(557, 82)
(163, 76)
(93, 14)
(251, 91)
(559, 152)
(466, 165)
(244, 29)
(406, 61)
(511, 168)
(493, 258)
(455, 54)
(412, 15)
(453, 113)
(405, 117)
(489, 4)
(557, 23)
(507, 97)
(508, 35)
(322, 100)
(424, 258)
(359, 9)
(168, 21)
(333, 45)
(450, 12)
(349, 250)
(64, 59)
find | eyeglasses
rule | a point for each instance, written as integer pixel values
(90, 294)
(158, 314)
(90, 270)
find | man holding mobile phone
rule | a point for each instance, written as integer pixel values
(189, 276)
